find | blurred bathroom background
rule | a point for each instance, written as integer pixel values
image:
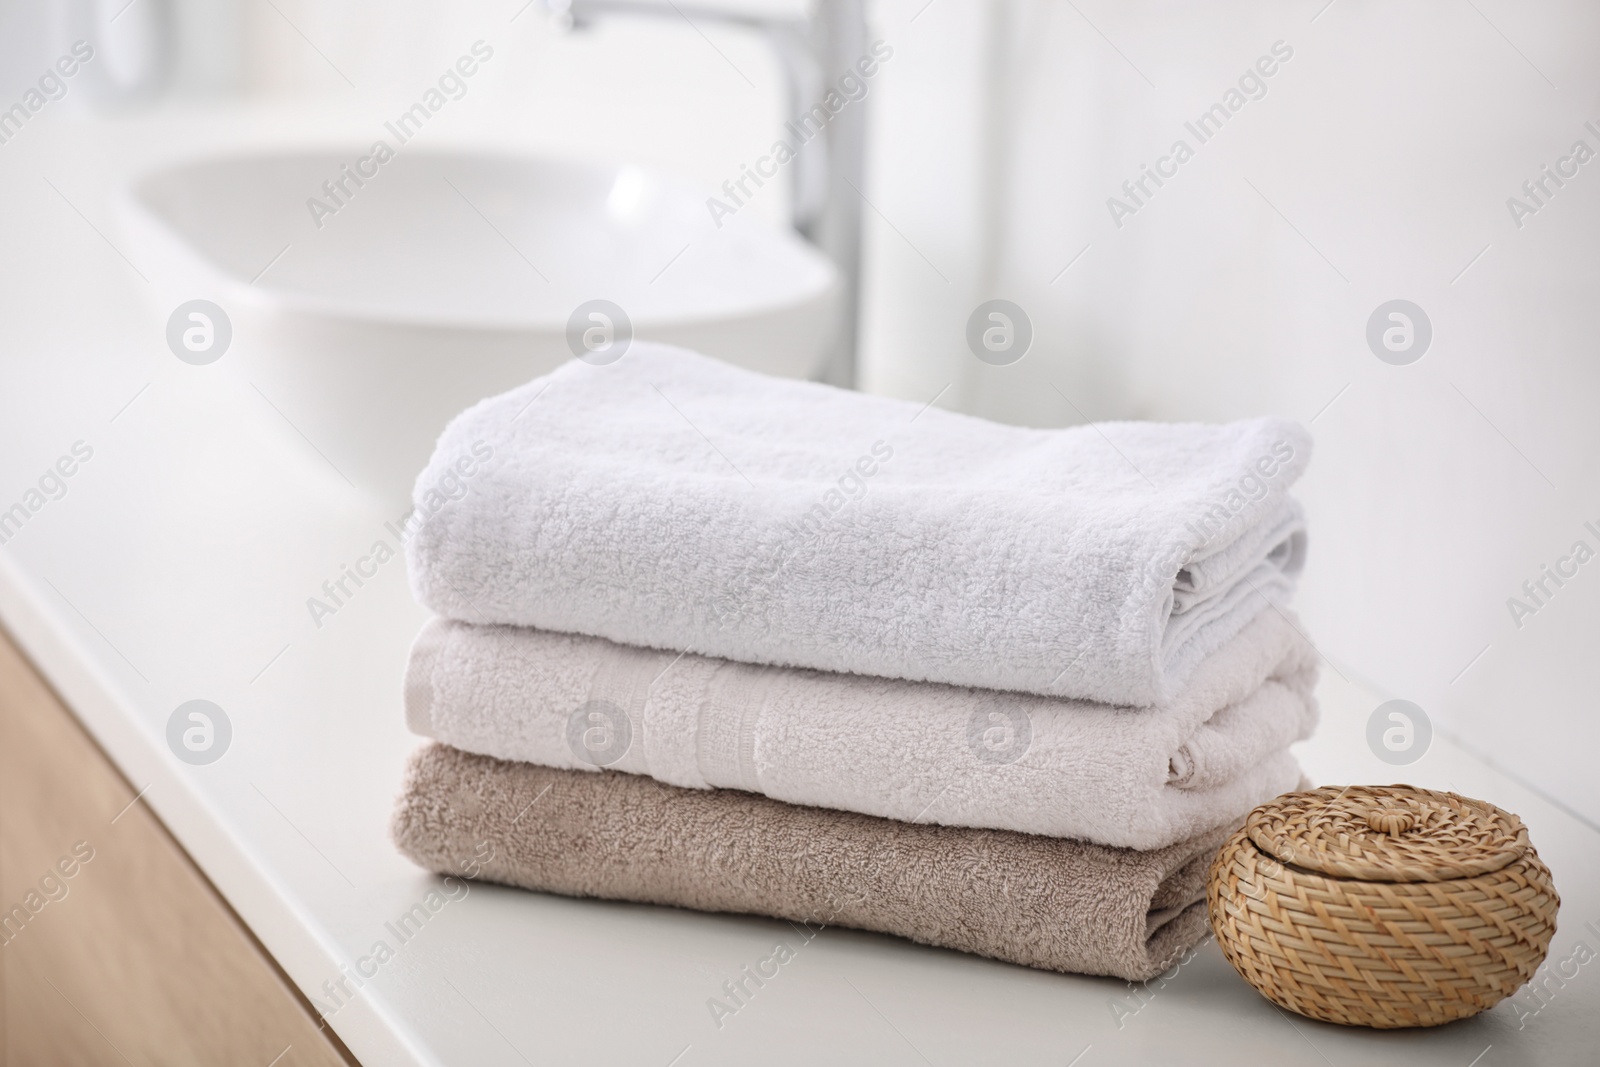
(1374, 164)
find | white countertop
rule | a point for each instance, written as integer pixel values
(177, 566)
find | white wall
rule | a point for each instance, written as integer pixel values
(699, 99)
(1390, 141)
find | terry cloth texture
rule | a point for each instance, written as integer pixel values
(672, 501)
(1039, 901)
(1137, 778)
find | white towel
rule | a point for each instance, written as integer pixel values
(1141, 778)
(671, 501)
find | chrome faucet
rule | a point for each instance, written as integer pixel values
(826, 207)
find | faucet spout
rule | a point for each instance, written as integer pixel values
(825, 201)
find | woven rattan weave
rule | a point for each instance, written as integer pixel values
(1383, 906)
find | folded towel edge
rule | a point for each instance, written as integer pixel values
(418, 689)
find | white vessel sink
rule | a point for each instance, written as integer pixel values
(444, 278)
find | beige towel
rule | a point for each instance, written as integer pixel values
(1040, 901)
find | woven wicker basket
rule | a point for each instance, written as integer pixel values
(1382, 906)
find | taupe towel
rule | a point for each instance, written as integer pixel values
(1040, 901)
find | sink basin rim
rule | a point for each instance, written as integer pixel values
(812, 278)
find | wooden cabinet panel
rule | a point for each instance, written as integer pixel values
(114, 948)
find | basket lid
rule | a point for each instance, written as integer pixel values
(1394, 833)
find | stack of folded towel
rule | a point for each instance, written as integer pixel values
(844, 659)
